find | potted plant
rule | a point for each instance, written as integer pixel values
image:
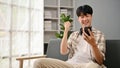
(64, 18)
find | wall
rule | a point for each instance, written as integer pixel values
(106, 16)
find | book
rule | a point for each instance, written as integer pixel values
(48, 25)
(63, 11)
(48, 14)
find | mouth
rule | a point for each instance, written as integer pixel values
(85, 24)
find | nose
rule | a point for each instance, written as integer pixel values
(84, 18)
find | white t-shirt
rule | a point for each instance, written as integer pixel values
(82, 53)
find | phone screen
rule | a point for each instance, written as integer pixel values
(86, 30)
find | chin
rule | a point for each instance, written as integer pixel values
(87, 26)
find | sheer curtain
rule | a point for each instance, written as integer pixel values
(21, 31)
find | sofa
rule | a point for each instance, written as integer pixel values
(53, 51)
(112, 52)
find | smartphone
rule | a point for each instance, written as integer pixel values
(86, 30)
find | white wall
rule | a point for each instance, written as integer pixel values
(106, 16)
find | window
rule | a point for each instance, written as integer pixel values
(21, 31)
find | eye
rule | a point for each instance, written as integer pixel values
(81, 16)
(87, 15)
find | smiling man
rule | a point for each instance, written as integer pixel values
(86, 48)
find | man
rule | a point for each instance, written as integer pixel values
(86, 47)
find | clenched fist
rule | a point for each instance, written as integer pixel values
(67, 25)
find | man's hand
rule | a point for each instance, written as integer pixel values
(90, 39)
(67, 25)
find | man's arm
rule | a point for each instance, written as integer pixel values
(63, 48)
(98, 56)
(97, 53)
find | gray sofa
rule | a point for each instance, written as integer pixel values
(112, 52)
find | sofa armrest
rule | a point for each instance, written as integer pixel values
(21, 59)
(30, 57)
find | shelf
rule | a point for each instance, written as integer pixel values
(66, 7)
(51, 30)
(51, 6)
(50, 18)
(52, 11)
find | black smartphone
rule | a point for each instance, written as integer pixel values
(86, 30)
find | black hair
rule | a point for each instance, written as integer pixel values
(85, 9)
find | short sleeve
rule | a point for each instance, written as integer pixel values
(102, 45)
(71, 46)
(73, 38)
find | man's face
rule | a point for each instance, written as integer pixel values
(85, 20)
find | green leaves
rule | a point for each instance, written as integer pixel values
(59, 35)
(63, 19)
